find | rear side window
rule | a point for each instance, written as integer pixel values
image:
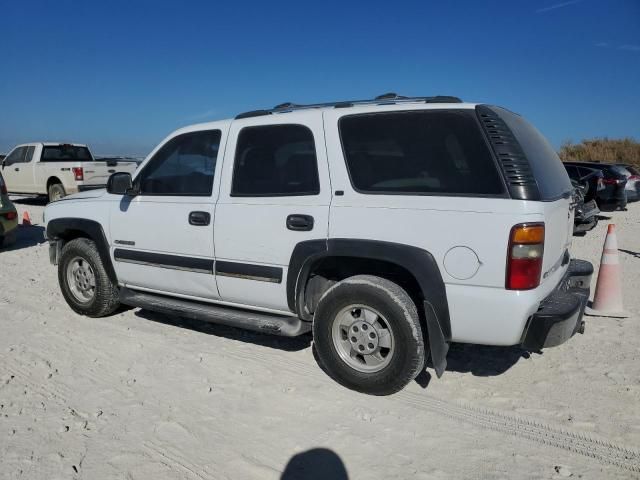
(65, 153)
(551, 177)
(275, 160)
(585, 171)
(572, 172)
(419, 152)
(184, 166)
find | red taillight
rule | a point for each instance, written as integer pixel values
(610, 181)
(524, 257)
(78, 173)
(634, 177)
(11, 215)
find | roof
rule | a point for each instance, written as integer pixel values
(50, 144)
(385, 99)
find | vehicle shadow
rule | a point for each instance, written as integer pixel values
(482, 360)
(289, 344)
(26, 237)
(38, 200)
(315, 464)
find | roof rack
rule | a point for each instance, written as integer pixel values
(384, 99)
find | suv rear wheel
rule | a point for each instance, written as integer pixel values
(367, 335)
(84, 281)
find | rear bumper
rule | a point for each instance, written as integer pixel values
(559, 316)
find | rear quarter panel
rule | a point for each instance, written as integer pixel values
(481, 309)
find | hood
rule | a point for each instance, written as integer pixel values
(97, 193)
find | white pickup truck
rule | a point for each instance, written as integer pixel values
(57, 169)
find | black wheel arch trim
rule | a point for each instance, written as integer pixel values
(420, 263)
(59, 228)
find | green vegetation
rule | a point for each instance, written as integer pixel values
(625, 150)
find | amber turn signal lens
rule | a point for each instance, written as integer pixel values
(527, 234)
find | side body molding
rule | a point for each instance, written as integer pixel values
(420, 263)
(69, 228)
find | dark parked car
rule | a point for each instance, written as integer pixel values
(613, 196)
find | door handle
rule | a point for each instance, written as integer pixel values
(300, 223)
(16, 169)
(199, 219)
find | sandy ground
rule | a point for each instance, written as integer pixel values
(144, 396)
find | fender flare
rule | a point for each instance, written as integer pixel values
(63, 228)
(420, 263)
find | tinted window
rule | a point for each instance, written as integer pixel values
(419, 152)
(572, 171)
(551, 177)
(17, 156)
(585, 171)
(65, 153)
(185, 165)
(275, 160)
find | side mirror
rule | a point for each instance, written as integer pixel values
(120, 183)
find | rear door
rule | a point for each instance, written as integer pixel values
(162, 238)
(275, 194)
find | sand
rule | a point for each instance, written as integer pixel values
(141, 395)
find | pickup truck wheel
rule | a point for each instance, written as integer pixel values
(367, 335)
(84, 281)
(56, 192)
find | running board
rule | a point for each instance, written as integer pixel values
(234, 317)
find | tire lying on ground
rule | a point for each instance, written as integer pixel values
(84, 281)
(367, 335)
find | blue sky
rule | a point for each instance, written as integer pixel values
(120, 75)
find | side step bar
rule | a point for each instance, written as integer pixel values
(234, 317)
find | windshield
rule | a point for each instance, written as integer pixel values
(65, 153)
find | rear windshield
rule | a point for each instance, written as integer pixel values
(550, 174)
(419, 152)
(620, 170)
(65, 153)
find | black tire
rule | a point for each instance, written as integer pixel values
(398, 310)
(56, 192)
(105, 299)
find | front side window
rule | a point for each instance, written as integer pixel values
(425, 152)
(185, 165)
(65, 153)
(17, 156)
(275, 160)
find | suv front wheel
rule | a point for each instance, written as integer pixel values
(84, 281)
(367, 335)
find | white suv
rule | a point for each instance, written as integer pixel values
(389, 227)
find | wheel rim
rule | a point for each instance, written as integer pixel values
(81, 280)
(363, 338)
(57, 194)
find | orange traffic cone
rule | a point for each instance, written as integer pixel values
(26, 219)
(607, 302)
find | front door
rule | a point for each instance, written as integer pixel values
(275, 193)
(18, 170)
(162, 238)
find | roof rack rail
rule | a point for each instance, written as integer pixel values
(384, 99)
